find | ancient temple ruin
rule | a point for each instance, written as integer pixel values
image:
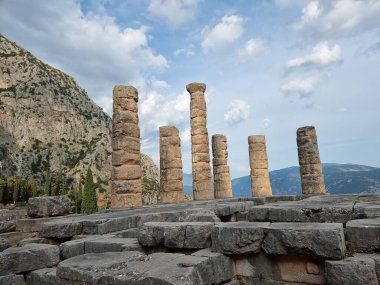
(310, 164)
(170, 166)
(222, 177)
(202, 183)
(258, 162)
(126, 170)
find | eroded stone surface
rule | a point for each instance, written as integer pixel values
(4, 244)
(12, 279)
(309, 239)
(238, 238)
(45, 276)
(188, 235)
(50, 206)
(364, 235)
(351, 271)
(28, 258)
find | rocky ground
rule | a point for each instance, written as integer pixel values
(276, 240)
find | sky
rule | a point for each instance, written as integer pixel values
(270, 67)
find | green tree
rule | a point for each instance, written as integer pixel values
(3, 188)
(89, 203)
(47, 185)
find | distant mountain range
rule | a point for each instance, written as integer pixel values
(339, 179)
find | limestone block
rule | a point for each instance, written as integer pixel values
(125, 117)
(170, 141)
(45, 276)
(13, 279)
(48, 206)
(4, 244)
(351, 271)
(111, 244)
(170, 152)
(171, 185)
(171, 163)
(219, 161)
(171, 174)
(168, 131)
(126, 129)
(172, 197)
(120, 157)
(196, 87)
(199, 140)
(200, 131)
(128, 144)
(238, 237)
(7, 226)
(125, 200)
(314, 239)
(121, 91)
(124, 104)
(126, 186)
(126, 172)
(363, 235)
(28, 258)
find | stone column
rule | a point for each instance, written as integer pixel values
(258, 161)
(201, 169)
(170, 166)
(310, 164)
(222, 177)
(126, 170)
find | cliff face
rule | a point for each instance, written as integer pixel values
(48, 122)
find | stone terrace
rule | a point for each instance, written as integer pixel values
(269, 240)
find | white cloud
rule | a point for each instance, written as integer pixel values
(300, 86)
(322, 55)
(185, 136)
(175, 12)
(340, 17)
(92, 48)
(159, 83)
(253, 47)
(265, 123)
(225, 32)
(189, 51)
(238, 111)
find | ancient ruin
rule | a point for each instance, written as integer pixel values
(258, 162)
(200, 149)
(222, 177)
(170, 166)
(126, 170)
(310, 164)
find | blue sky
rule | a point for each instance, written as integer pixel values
(270, 67)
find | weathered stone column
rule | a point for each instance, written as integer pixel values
(258, 161)
(310, 164)
(170, 166)
(222, 177)
(200, 149)
(126, 170)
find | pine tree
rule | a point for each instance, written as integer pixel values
(89, 203)
(3, 186)
(47, 184)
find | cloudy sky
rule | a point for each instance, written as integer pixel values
(270, 67)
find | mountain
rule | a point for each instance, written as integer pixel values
(339, 179)
(48, 124)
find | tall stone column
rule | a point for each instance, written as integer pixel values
(258, 161)
(202, 183)
(126, 170)
(170, 166)
(310, 164)
(222, 177)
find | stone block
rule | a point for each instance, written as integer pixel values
(257, 139)
(45, 276)
(124, 104)
(196, 87)
(126, 186)
(51, 206)
(172, 197)
(125, 117)
(126, 200)
(7, 226)
(351, 271)
(122, 91)
(28, 258)
(314, 239)
(126, 172)
(128, 144)
(61, 229)
(36, 240)
(13, 279)
(167, 131)
(237, 238)
(120, 157)
(4, 244)
(363, 235)
(187, 235)
(111, 244)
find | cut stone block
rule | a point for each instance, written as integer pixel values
(12, 280)
(189, 235)
(237, 238)
(310, 239)
(7, 226)
(61, 229)
(364, 235)
(36, 240)
(51, 206)
(353, 270)
(4, 244)
(45, 276)
(28, 258)
(112, 244)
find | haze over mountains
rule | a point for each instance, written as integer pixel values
(339, 179)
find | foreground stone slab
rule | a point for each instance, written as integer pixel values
(51, 206)
(309, 239)
(238, 238)
(7, 226)
(189, 235)
(45, 276)
(202, 267)
(364, 235)
(4, 244)
(12, 280)
(353, 270)
(28, 258)
(112, 244)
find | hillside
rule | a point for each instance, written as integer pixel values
(339, 179)
(48, 124)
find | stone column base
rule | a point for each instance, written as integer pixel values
(126, 200)
(172, 197)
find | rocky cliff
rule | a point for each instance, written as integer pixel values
(49, 124)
